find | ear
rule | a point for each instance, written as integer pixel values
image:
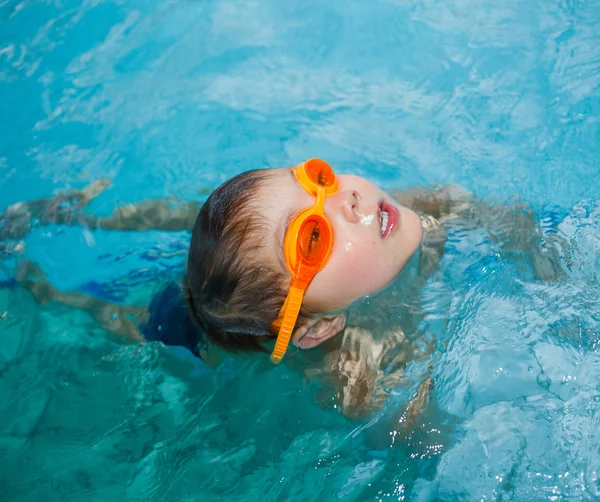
(314, 332)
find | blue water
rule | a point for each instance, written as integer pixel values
(172, 98)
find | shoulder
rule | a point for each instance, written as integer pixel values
(169, 320)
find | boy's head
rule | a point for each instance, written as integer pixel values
(238, 279)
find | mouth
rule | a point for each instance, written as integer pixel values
(388, 218)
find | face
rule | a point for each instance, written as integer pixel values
(373, 236)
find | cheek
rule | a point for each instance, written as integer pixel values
(357, 267)
(356, 255)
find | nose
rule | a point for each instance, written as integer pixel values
(346, 203)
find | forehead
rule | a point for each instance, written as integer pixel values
(280, 194)
(278, 180)
(278, 199)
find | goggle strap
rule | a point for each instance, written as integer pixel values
(294, 302)
(277, 323)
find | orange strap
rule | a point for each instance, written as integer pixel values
(293, 302)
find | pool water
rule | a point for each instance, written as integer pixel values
(173, 97)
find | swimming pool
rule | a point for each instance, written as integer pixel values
(168, 98)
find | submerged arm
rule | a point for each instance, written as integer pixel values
(18, 219)
(440, 201)
(125, 322)
(512, 226)
(435, 205)
(168, 214)
(156, 214)
(516, 230)
(120, 320)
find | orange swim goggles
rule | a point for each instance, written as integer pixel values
(307, 246)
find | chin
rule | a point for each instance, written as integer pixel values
(412, 229)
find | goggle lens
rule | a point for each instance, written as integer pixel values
(320, 172)
(314, 239)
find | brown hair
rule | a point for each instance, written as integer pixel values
(231, 294)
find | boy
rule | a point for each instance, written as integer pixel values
(281, 255)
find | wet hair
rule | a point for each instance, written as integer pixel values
(232, 294)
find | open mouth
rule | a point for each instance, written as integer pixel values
(384, 217)
(388, 218)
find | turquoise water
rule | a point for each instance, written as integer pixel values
(169, 98)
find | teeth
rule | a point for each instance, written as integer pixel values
(383, 218)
